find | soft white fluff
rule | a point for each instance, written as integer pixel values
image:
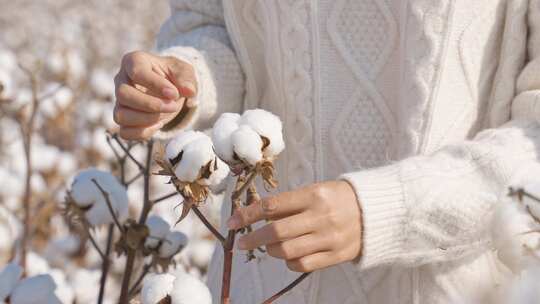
(9, 276)
(85, 193)
(197, 154)
(189, 290)
(200, 252)
(159, 228)
(247, 145)
(178, 143)
(219, 175)
(267, 125)
(36, 264)
(64, 292)
(510, 225)
(173, 243)
(35, 290)
(222, 131)
(156, 287)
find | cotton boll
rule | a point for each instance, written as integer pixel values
(102, 83)
(222, 132)
(510, 226)
(36, 264)
(63, 291)
(159, 229)
(9, 277)
(173, 243)
(218, 176)
(201, 252)
(156, 287)
(81, 280)
(189, 290)
(247, 145)
(196, 155)
(267, 125)
(177, 144)
(34, 290)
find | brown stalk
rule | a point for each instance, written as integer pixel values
(109, 205)
(286, 289)
(208, 225)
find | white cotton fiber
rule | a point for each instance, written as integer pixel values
(158, 229)
(36, 264)
(189, 290)
(197, 154)
(200, 252)
(223, 129)
(156, 287)
(9, 276)
(267, 125)
(34, 290)
(86, 194)
(178, 143)
(173, 243)
(247, 145)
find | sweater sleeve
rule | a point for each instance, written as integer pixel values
(436, 208)
(195, 33)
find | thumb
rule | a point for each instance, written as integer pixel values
(182, 75)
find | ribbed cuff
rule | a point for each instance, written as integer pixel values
(381, 198)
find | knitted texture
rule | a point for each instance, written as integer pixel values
(427, 107)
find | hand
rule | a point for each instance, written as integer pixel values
(150, 92)
(312, 227)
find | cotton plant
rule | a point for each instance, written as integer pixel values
(246, 145)
(39, 289)
(162, 243)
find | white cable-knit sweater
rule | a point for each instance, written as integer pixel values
(426, 106)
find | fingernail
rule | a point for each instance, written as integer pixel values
(169, 107)
(170, 93)
(188, 88)
(232, 223)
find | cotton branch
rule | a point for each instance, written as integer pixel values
(109, 205)
(287, 288)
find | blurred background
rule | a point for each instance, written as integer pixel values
(57, 63)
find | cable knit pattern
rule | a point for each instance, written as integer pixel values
(345, 76)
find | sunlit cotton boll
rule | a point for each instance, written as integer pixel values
(189, 290)
(176, 145)
(247, 145)
(9, 276)
(173, 243)
(222, 132)
(156, 287)
(86, 194)
(158, 230)
(35, 290)
(266, 125)
(512, 236)
(196, 155)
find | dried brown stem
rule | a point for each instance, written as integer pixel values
(134, 288)
(164, 197)
(94, 243)
(147, 206)
(208, 225)
(286, 289)
(105, 264)
(109, 205)
(127, 152)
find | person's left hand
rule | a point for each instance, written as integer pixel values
(312, 228)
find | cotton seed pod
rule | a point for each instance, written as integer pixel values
(35, 290)
(9, 276)
(177, 144)
(247, 145)
(267, 125)
(221, 172)
(156, 287)
(189, 290)
(87, 195)
(158, 229)
(222, 132)
(173, 243)
(196, 155)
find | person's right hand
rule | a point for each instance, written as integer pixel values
(150, 92)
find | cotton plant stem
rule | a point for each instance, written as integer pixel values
(164, 197)
(286, 289)
(208, 225)
(127, 152)
(105, 264)
(109, 205)
(241, 185)
(95, 244)
(135, 287)
(147, 206)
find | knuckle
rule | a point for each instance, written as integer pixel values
(122, 91)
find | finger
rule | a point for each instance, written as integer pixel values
(298, 247)
(182, 76)
(131, 97)
(127, 117)
(284, 229)
(138, 67)
(313, 262)
(136, 133)
(270, 208)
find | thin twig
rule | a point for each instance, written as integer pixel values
(105, 265)
(109, 205)
(133, 179)
(287, 288)
(94, 243)
(245, 185)
(115, 152)
(208, 225)
(164, 197)
(128, 153)
(133, 289)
